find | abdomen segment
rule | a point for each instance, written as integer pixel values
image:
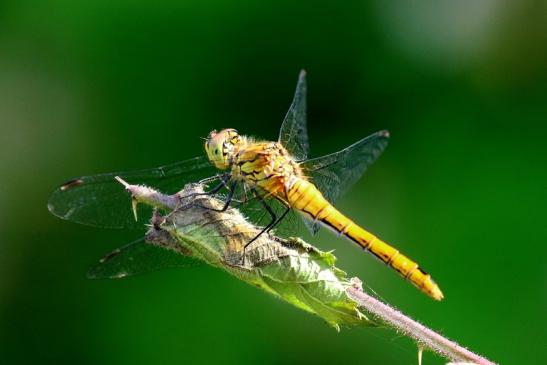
(306, 198)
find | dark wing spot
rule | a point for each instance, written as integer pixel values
(71, 184)
(384, 133)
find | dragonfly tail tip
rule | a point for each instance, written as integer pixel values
(437, 294)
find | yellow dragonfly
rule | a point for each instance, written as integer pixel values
(278, 176)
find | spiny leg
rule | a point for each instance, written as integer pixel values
(269, 226)
(280, 218)
(275, 221)
(231, 189)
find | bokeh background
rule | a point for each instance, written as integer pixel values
(89, 87)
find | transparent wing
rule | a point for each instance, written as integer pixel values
(101, 201)
(138, 257)
(334, 174)
(294, 133)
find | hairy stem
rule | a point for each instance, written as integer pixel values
(426, 337)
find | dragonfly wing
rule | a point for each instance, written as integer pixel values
(294, 132)
(138, 257)
(311, 225)
(334, 174)
(101, 201)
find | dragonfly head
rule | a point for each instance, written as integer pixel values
(220, 147)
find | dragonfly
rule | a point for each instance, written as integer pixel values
(272, 182)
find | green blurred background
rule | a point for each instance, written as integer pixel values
(88, 87)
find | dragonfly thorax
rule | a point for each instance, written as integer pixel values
(266, 165)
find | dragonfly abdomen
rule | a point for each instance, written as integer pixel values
(306, 198)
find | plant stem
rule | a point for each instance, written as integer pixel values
(424, 336)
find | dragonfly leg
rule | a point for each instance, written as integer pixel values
(269, 226)
(231, 189)
(280, 219)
